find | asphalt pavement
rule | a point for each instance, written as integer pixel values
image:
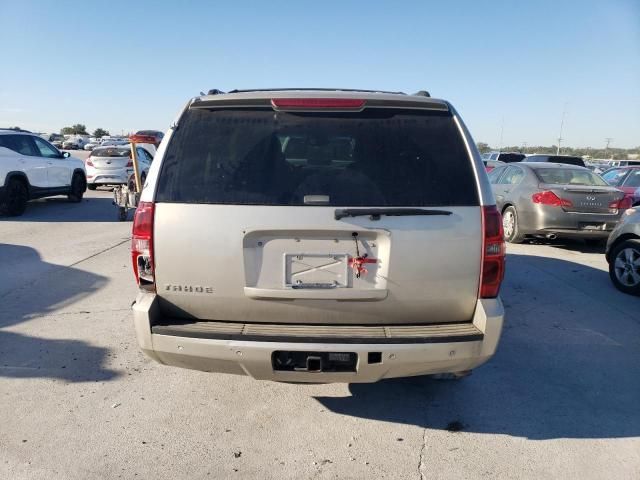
(561, 398)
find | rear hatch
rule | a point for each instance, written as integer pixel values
(368, 216)
(581, 190)
(110, 158)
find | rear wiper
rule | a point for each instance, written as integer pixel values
(375, 213)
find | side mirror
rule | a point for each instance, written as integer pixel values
(66, 154)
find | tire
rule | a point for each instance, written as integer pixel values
(78, 186)
(92, 186)
(17, 196)
(624, 268)
(512, 232)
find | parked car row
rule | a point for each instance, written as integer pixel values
(511, 157)
(113, 165)
(551, 200)
(32, 167)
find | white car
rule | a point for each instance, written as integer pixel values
(75, 142)
(114, 165)
(91, 145)
(30, 167)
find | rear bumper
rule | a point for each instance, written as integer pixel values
(253, 358)
(117, 177)
(544, 220)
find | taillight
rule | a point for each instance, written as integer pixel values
(142, 246)
(493, 253)
(88, 162)
(317, 103)
(550, 198)
(622, 204)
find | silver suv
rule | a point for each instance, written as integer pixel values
(318, 236)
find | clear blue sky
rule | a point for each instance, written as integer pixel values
(112, 65)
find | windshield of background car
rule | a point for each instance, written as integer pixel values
(633, 180)
(569, 176)
(377, 157)
(111, 152)
(614, 177)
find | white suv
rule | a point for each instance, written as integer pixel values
(318, 236)
(30, 167)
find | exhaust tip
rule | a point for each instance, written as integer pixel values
(551, 236)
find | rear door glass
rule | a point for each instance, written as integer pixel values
(22, 144)
(513, 176)
(378, 157)
(494, 175)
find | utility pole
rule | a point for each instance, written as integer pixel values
(564, 111)
(501, 132)
(524, 147)
(606, 149)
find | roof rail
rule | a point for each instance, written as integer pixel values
(15, 129)
(422, 93)
(215, 91)
(314, 89)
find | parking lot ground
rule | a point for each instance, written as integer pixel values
(78, 400)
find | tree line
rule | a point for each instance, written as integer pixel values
(80, 129)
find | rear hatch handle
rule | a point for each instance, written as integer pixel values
(376, 213)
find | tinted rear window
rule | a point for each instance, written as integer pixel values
(567, 160)
(511, 157)
(569, 176)
(371, 158)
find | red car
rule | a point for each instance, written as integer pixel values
(626, 179)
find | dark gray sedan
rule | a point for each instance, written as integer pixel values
(554, 200)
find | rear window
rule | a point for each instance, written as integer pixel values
(569, 176)
(372, 158)
(153, 133)
(111, 152)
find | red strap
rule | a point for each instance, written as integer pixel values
(357, 264)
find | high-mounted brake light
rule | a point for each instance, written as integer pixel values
(493, 253)
(142, 246)
(550, 198)
(317, 103)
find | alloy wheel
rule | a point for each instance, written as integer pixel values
(627, 267)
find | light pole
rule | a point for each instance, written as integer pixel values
(606, 149)
(564, 111)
